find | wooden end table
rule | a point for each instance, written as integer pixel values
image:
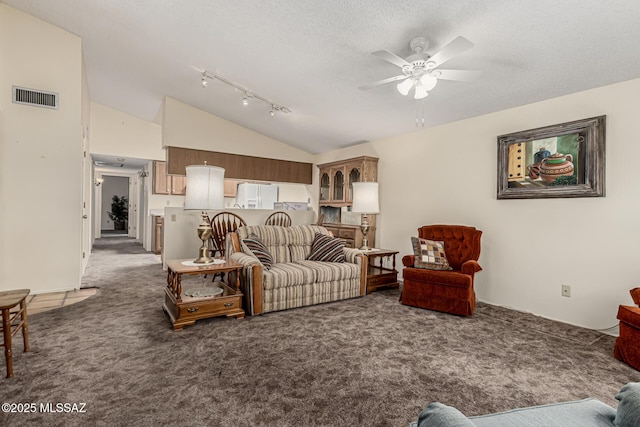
(379, 276)
(184, 310)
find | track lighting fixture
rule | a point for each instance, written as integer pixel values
(247, 93)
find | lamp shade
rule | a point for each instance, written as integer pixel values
(405, 86)
(421, 92)
(205, 187)
(365, 197)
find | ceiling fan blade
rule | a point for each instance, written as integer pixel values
(458, 75)
(383, 82)
(456, 47)
(391, 57)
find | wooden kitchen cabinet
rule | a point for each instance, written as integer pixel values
(231, 187)
(337, 178)
(157, 243)
(164, 183)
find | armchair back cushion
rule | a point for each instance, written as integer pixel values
(461, 243)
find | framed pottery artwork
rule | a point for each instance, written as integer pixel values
(564, 160)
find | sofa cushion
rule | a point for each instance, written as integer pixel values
(629, 315)
(326, 248)
(437, 414)
(437, 277)
(300, 240)
(332, 271)
(429, 254)
(581, 413)
(275, 238)
(628, 412)
(257, 248)
(282, 275)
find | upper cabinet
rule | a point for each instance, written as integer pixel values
(231, 187)
(164, 183)
(337, 178)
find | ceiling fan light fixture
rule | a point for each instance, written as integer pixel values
(405, 86)
(421, 92)
(428, 81)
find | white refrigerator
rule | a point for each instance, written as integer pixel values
(256, 196)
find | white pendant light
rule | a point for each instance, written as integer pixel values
(421, 92)
(428, 81)
(405, 86)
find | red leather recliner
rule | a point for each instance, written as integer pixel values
(441, 290)
(627, 346)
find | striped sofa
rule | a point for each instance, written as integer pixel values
(293, 281)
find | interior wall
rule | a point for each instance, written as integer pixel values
(530, 248)
(189, 127)
(120, 134)
(87, 172)
(40, 157)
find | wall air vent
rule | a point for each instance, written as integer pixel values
(38, 98)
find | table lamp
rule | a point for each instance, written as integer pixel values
(365, 201)
(205, 191)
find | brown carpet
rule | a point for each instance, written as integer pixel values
(367, 361)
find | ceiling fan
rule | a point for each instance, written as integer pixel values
(420, 70)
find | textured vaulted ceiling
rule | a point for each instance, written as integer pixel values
(311, 56)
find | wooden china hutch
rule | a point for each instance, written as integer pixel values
(336, 191)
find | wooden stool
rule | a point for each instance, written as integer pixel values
(8, 300)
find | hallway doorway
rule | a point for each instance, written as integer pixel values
(114, 218)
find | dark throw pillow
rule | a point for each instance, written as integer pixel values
(429, 254)
(327, 248)
(255, 245)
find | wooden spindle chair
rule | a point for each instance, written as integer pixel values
(279, 218)
(222, 224)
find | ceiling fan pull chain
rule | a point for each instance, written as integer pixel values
(419, 112)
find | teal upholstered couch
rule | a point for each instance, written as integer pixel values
(581, 413)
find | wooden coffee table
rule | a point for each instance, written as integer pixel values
(184, 310)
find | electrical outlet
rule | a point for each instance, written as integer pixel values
(566, 290)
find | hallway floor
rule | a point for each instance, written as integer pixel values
(44, 302)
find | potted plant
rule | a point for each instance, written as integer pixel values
(119, 212)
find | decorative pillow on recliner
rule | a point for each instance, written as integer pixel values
(327, 248)
(258, 248)
(429, 254)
